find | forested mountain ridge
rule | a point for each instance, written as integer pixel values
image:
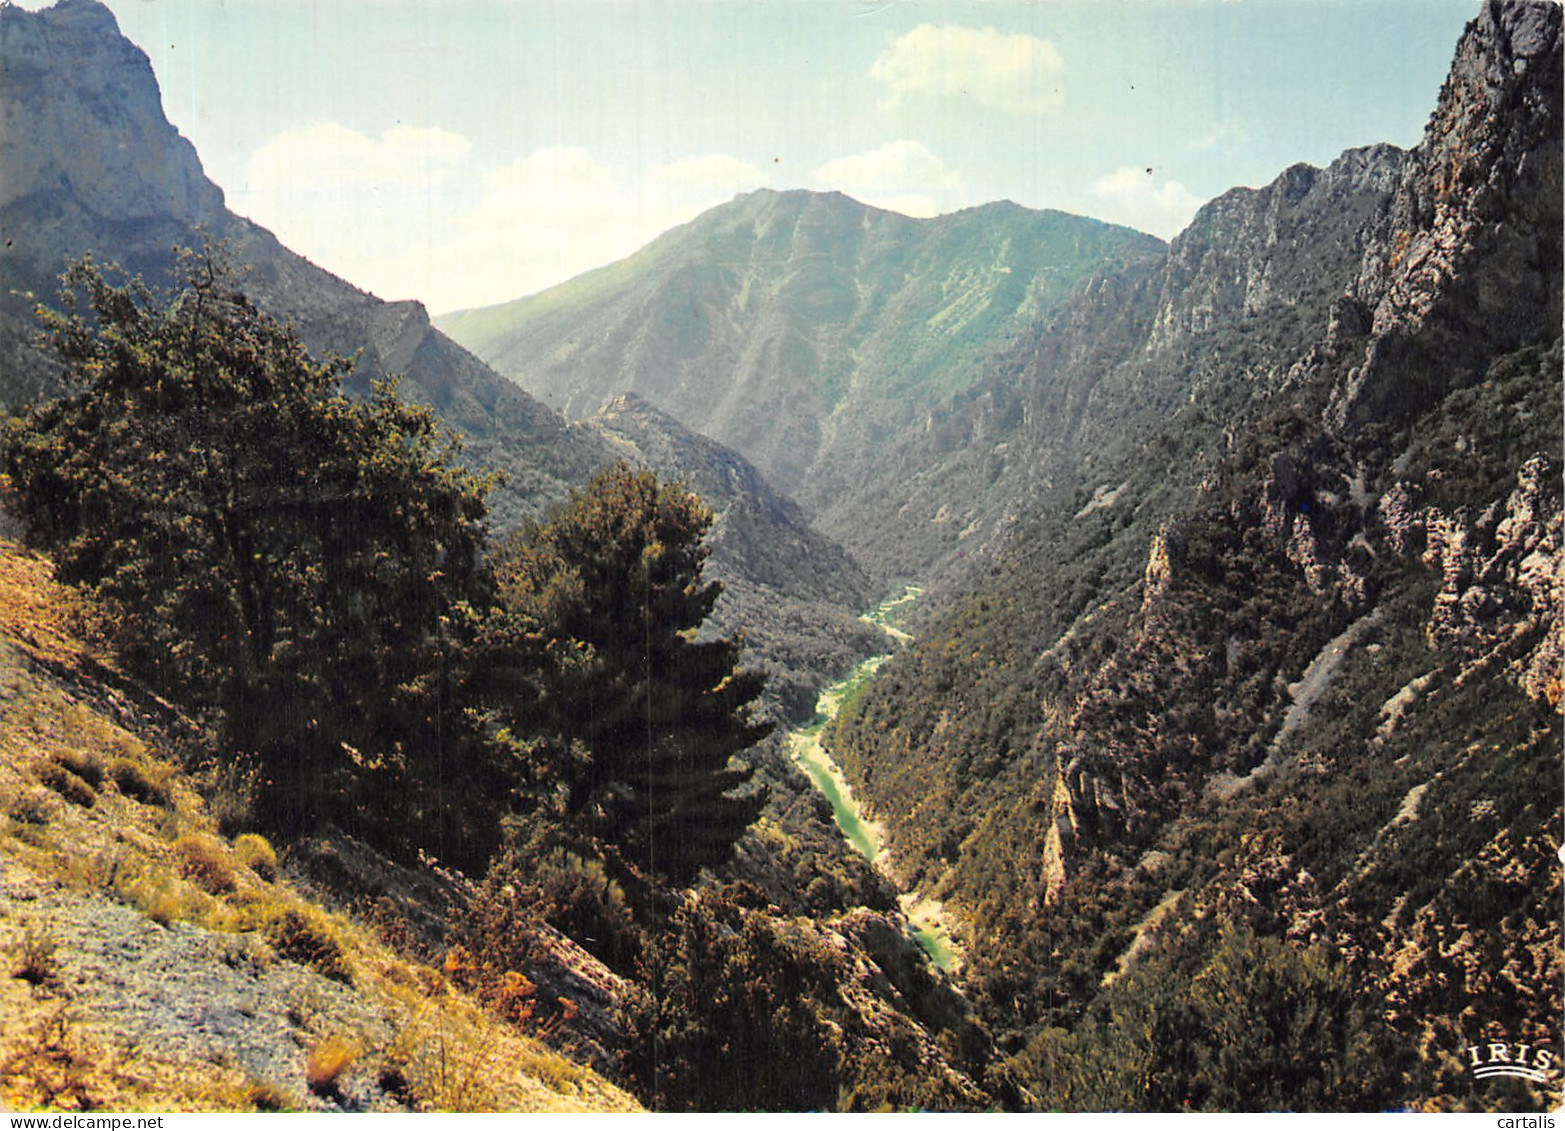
(1270, 689)
(809, 332)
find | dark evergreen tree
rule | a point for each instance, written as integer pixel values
(736, 1015)
(304, 567)
(648, 715)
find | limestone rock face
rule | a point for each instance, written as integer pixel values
(1331, 419)
(1452, 273)
(102, 136)
(1502, 581)
(1252, 250)
(89, 163)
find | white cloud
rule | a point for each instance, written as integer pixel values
(411, 214)
(1135, 198)
(559, 212)
(903, 176)
(1016, 73)
(351, 202)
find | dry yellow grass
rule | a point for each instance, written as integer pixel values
(159, 850)
(327, 1061)
(39, 615)
(256, 853)
(203, 860)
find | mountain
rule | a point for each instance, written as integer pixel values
(389, 1013)
(88, 163)
(1263, 687)
(805, 330)
(1231, 741)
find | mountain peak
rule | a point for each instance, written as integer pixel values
(120, 156)
(86, 14)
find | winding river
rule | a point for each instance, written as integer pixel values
(804, 745)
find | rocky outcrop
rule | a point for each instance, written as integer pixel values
(1458, 269)
(1253, 250)
(101, 137)
(1502, 582)
(89, 163)
(1309, 657)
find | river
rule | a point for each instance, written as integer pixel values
(804, 746)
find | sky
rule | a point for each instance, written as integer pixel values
(468, 152)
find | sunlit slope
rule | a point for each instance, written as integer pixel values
(806, 330)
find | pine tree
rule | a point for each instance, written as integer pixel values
(652, 714)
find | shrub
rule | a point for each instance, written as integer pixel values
(256, 853)
(327, 1061)
(306, 936)
(161, 897)
(506, 993)
(133, 781)
(35, 959)
(204, 863)
(577, 896)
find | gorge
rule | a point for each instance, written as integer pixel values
(1214, 696)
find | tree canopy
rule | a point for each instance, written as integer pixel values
(313, 574)
(304, 568)
(648, 713)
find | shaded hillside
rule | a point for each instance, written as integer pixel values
(806, 331)
(90, 164)
(795, 594)
(1264, 685)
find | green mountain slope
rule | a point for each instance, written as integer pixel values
(805, 330)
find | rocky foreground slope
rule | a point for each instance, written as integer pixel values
(151, 962)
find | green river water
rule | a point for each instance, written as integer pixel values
(811, 757)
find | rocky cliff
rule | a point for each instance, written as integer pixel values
(90, 164)
(1264, 683)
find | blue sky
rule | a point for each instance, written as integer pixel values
(466, 152)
